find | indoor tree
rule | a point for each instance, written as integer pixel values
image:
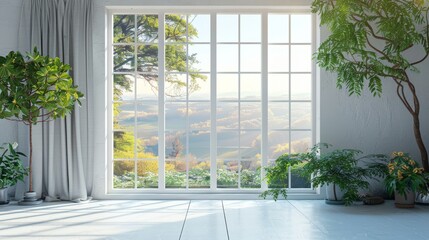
(34, 90)
(370, 42)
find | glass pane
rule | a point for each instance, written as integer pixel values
(175, 58)
(250, 145)
(250, 27)
(123, 28)
(301, 58)
(147, 28)
(123, 115)
(227, 174)
(199, 174)
(227, 115)
(227, 87)
(199, 145)
(301, 141)
(250, 58)
(175, 86)
(199, 58)
(301, 115)
(227, 28)
(175, 28)
(250, 176)
(199, 28)
(147, 58)
(278, 143)
(175, 116)
(123, 144)
(278, 28)
(147, 173)
(199, 116)
(250, 115)
(175, 174)
(199, 88)
(227, 153)
(123, 58)
(301, 86)
(147, 131)
(250, 86)
(278, 58)
(301, 28)
(227, 139)
(123, 89)
(147, 87)
(175, 145)
(123, 174)
(227, 58)
(278, 115)
(278, 87)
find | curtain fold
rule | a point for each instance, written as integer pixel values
(63, 164)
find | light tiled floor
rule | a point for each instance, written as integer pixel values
(212, 220)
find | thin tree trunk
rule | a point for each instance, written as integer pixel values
(420, 143)
(335, 193)
(30, 175)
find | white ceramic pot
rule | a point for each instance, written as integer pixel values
(3, 196)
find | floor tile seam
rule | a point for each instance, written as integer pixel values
(226, 222)
(184, 220)
(308, 218)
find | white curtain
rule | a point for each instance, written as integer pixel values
(62, 165)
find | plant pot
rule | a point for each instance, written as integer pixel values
(422, 199)
(334, 195)
(30, 199)
(3, 196)
(406, 201)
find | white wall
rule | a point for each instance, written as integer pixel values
(10, 11)
(372, 124)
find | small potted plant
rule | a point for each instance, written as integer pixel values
(404, 179)
(11, 170)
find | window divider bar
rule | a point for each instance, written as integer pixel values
(264, 95)
(161, 102)
(213, 103)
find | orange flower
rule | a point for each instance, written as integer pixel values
(400, 177)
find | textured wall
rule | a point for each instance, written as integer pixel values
(10, 11)
(372, 124)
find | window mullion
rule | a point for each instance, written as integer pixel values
(161, 102)
(264, 95)
(213, 110)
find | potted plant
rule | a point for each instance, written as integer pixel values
(404, 179)
(34, 90)
(338, 170)
(11, 170)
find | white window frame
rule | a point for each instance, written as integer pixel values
(212, 192)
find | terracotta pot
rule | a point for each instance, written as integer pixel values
(406, 201)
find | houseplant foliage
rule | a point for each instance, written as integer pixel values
(369, 43)
(278, 174)
(35, 89)
(11, 168)
(404, 175)
(338, 168)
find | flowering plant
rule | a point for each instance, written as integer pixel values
(405, 175)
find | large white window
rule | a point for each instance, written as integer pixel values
(203, 101)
